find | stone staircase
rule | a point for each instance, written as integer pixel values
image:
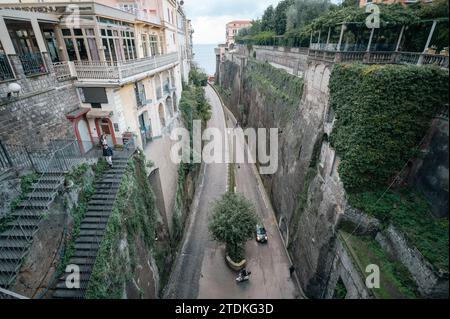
(92, 229)
(16, 239)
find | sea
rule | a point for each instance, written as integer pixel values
(205, 57)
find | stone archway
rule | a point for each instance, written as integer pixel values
(162, 117)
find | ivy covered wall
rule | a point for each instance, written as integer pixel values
(130, 234)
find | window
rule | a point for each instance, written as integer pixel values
(144, 45)
(6, 72)
(140, 94)
(154, 49)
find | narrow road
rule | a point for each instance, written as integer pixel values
(201, 271)
(184, 282)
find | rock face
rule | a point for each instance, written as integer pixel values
(300, 132)
(306, 191)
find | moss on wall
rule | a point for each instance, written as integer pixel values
(133, 218)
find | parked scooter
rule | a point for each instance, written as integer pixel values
(244, 275)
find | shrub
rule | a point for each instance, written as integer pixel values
(233, 222)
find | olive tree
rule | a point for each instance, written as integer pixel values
(233, 222)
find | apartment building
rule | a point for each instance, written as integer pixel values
(233, 28)
(116, 66)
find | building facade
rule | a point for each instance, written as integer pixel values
(233, 28)
(122, 62)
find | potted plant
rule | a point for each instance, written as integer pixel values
(233, 223)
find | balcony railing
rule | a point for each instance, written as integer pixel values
(380, 57)
(62, 71)
(33, 64)
(6, 72)
(120, 71)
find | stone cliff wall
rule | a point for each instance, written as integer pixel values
(306, 191)
(37, 114)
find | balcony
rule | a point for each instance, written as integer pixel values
(6, 72)
(118, 72)
(33, 64)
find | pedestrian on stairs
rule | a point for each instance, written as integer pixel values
(108, 154)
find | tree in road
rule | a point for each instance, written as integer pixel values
(233, 223)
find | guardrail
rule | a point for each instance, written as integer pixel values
(33, 64)
(6, 72)
(380, 57)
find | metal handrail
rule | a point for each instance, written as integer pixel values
(52, 160)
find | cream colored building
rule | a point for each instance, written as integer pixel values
(127, 59)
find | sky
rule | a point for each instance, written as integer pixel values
(209, 17)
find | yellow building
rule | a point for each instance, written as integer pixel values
(123, 57)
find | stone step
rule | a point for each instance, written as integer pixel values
(19, 244)
(25, 223)
(28, 214)
(68, 294)
(91, 232)
(46, 195)
(103, 196)
(52, 178)
(97, 213)
(87, 245)
(32, 204)
(15, 232)
(99, 208)
(84, 278)
(12, 254)
(91, 220)
(82, 261)
(107, 191)
(9, 267)
(85, 253)
(97, 226)
(46, 187)
(5, 279)
(89, 240)
(99, 202)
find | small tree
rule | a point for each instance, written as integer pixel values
(233, 222)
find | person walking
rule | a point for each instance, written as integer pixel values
(103, 140)
(108, 154)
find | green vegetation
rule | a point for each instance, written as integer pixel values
(410, 213)
(233, 222)
(26, 183)
(133, 219)
(395, 280)
(198, 78)
(81, 180)
(193, 106)
(382, 114)
(277, 85)
(340, 292)
(292, 22)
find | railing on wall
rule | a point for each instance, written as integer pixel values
(380, 57)
(6, 72)
(33, 64)
(119, 71)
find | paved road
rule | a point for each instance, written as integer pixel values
(201, 271)
(184, 282)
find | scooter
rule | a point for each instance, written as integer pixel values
(242, 277)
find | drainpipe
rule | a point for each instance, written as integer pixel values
(430, 36)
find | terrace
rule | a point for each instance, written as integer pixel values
(119, 72)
